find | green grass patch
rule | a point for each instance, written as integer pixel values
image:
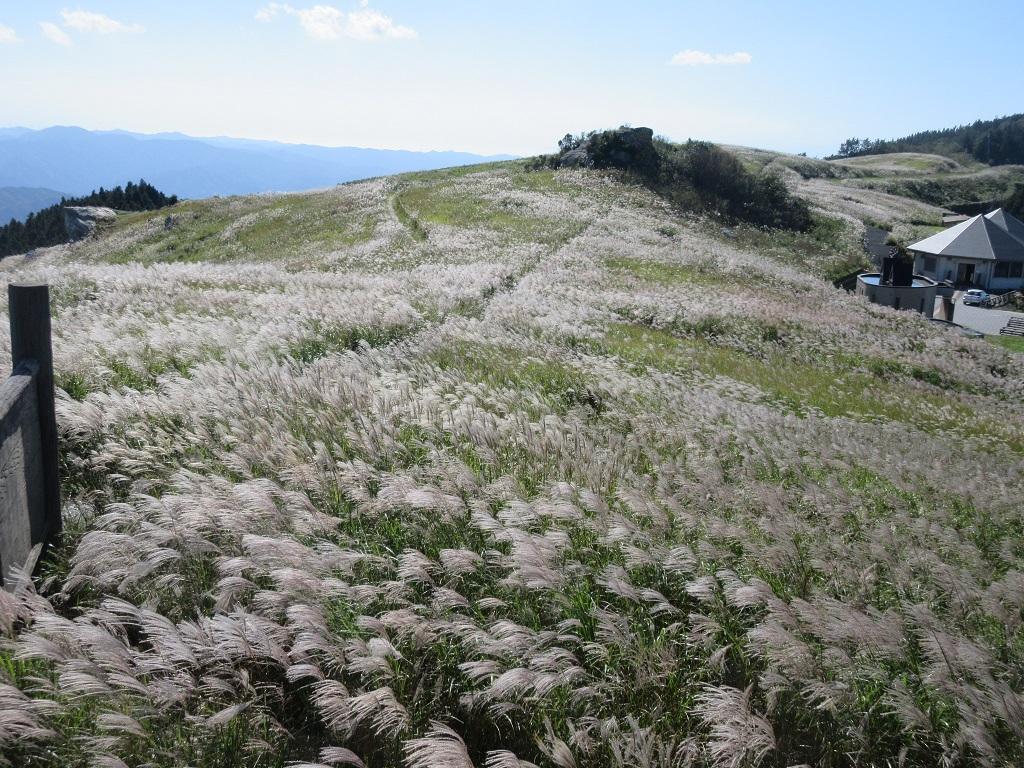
(324, 340)
(192, 238)
(140, 377)
(660, 273)
(543, 180)
(265, 229)
(503, 367)
(1012, 343)
(919, 164)
(449, 206)
(407, 220)
(830, 249)
(799, 386)
(75, 384)
(301, 223)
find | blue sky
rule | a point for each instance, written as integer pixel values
(510, 77)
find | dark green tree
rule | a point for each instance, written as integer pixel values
(1015, 203)
(46, 227)
(996, 142)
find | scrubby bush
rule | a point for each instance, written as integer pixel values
(1015, 205)
(697, 175)
(629, 149)
(720, 183)
(569, 142)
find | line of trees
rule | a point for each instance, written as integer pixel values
(855, 147)
(995, 142)
(46, 227)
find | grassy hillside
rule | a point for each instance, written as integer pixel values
(852, 194)
(904, 163)
(496, 467)
(928, 178)
(949, 189)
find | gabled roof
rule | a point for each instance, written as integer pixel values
(977, 238)
(1007, 222)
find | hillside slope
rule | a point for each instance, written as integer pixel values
(928, 178)
(492, 465)
(946, 189)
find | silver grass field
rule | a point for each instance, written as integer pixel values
(504, 469)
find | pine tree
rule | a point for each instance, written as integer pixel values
(46, 227)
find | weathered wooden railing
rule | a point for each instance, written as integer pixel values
(29, 484)
(1002, 299)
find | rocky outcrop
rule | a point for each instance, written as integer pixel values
(82, 221)
(621, 148)
(575, 158)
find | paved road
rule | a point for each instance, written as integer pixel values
(988, 321)
(874, 244)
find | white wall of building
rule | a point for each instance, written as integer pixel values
(947, 268)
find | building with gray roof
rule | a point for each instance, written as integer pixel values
(983, 252)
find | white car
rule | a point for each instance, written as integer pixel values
(976, 296)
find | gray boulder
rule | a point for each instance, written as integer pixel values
(636, 138)
(628, 147)
(575, 158)
(82, 221)
(620, 148)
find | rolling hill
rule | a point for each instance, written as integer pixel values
(993, 142)
(933, 179)
(509, 467)
(79, 161)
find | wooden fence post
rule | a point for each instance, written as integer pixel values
(29, 310)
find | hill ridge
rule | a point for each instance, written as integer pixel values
(999, 141)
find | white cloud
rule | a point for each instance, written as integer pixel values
(325, 22)
(370, 25)
(54, 34)
(701, 59)
(268, 12)
(87, 21)
(7, 35)
(322, 22)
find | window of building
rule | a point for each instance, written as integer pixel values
(1017, 269)
(929, 264)
(1002, 269)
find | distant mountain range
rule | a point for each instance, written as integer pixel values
(78, 161)
(19, 202)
